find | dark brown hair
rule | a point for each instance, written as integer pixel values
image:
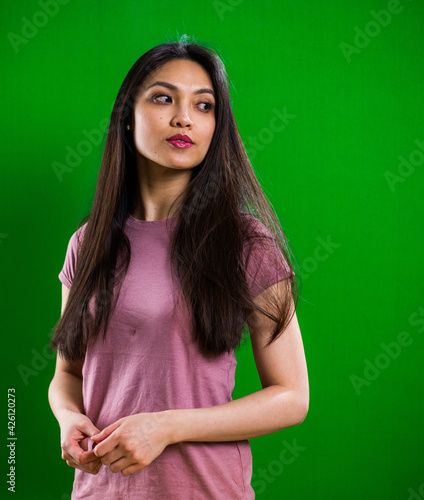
(207, 242)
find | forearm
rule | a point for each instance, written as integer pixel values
(258, 414)
(65, 394)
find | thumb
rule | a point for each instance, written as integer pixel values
(88, 428)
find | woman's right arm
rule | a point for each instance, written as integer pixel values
(65, 398)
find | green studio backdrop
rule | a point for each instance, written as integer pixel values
(328, 101)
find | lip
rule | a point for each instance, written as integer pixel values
(181, 144)
(179, 137)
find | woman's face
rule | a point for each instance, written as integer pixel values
(177, 98)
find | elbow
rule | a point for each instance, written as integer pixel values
(295, 407)
(50, 391)
(303, 406)
(300, 408)
(303, 411)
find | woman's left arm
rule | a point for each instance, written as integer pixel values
(283, 401)
(135, 441)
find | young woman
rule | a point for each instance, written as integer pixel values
(180, 253)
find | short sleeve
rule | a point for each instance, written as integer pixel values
(66, 275)
(265, 263)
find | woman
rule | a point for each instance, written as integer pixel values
(158, 285)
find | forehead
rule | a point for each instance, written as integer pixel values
(187, 74)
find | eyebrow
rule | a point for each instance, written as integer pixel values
(173, 87)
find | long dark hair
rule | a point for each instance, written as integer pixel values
(207, 242)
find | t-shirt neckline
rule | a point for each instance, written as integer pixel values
(150, 224)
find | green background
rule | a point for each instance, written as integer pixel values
(337, 176)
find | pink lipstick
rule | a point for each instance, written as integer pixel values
(180, 141)
(181, 144)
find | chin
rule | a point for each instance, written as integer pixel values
(180, 163)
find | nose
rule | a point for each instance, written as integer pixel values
(181, 117)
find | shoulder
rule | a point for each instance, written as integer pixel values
(81, 230)
(79, 233)
(77, 237)
(253, 227)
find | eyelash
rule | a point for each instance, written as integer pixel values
(211, 105)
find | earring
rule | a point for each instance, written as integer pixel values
(128, 127)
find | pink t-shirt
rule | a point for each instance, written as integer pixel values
(149, 363)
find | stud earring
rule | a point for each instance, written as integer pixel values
(128, 127)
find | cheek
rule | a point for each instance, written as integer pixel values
(141, 122)
(148, 130)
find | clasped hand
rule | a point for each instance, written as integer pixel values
(131, 443)
(128, 445)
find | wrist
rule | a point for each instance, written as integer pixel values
(64, 413)
(175, 423)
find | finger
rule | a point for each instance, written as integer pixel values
(121, 464)
(107, 431)
(70, 461)
(80, 457)
(67, 457)
(112, 456)
(88, 428)
(107, 445)
(131, 469)
(84, 444)
(69, 452)
(87, 456)
(73, 448)
(92, 467)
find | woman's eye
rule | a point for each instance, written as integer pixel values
(205, 106)
(157, 96)
(209, 106)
